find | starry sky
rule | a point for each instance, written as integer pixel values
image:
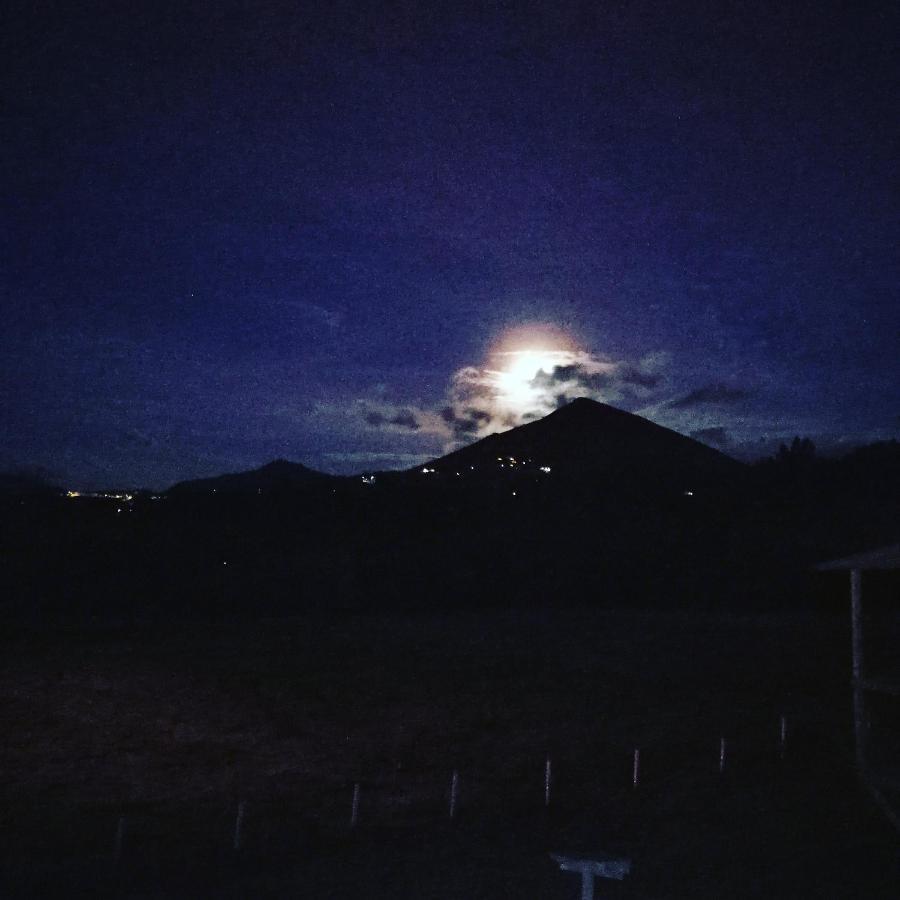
(334, 232)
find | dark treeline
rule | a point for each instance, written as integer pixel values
(411, 541)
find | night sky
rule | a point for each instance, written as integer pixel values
(354, 235)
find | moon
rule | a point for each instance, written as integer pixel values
(518, 357)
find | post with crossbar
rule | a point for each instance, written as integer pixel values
(591, 867)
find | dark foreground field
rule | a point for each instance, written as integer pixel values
(161, 733)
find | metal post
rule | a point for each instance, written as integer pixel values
(587, 885)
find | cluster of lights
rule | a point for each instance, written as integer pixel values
(368, 479)
(503, 462)
(99, 495)
(512, 462)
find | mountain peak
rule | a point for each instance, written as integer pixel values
(584, 406)
(282, 465)
(586, 437)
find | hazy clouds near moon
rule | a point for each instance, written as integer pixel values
(529, 371)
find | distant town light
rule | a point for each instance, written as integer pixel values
(688, 493)
(368, 479)
(546, 469)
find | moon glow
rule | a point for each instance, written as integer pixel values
(517, 359)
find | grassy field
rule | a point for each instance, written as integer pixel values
(169, 729)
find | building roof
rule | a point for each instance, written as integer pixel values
(882, 558)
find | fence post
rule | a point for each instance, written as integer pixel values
(120, 839)
(238, 825)
(354, 808)
(454, 792)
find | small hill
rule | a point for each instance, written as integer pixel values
(277, 476)
(24, 483)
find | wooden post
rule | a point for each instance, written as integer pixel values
(856, 637)
(238, 826)
(354, 808)
(547, 783)
(454, 792)
(636, 768)
(120, 838)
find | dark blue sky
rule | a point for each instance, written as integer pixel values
(239, 231)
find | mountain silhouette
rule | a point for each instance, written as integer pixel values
(590, 440)
(585, 442)
(588, 505)
(278, 475)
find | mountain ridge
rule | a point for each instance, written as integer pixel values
(582, 438)
(277, 474)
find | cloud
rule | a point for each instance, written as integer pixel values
(640, 377)
(515, 387)
(522, 386)
(466, 421)
(709, 394)
(405, 418)
(717, 436)
(378, 458)
(303, 310)
(576, 375)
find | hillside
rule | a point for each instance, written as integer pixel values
(278, 475)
